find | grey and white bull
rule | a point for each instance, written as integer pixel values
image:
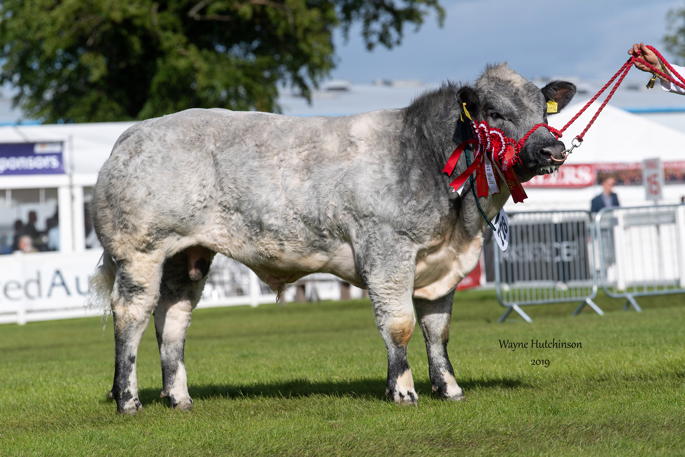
(359, 196)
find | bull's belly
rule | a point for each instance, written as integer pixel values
(436, 274)
(437, 270)
(286, 267)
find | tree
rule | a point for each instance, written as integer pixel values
(107, 60)
(675, 38)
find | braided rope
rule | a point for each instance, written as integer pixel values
(616, 80)
(482, 132)
(653, 69)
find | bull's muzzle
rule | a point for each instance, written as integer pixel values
(554, 154)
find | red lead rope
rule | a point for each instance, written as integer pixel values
(616, 80)
(493, 149)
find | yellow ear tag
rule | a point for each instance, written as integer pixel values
(552, 107)
(466, 111)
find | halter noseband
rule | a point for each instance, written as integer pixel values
(492, 150)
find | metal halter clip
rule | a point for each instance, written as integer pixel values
(576, 142)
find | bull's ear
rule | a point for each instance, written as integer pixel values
(468, 96)
(560, 92)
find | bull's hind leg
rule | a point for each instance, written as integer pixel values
(389, 274)
(434, 318)
(179, 296)
(135, 295)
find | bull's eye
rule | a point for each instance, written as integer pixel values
(494, 115)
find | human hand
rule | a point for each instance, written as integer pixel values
(639, 49)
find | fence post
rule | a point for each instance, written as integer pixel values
(619, 246)
(680, 237)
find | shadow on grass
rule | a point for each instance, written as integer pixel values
(371, 388)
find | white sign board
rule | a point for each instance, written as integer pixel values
(653, 179)
(54, 285)
(501, 234)
(47, 285)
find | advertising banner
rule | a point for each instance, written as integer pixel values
(577, 175)
(54, 285)
(44, 158)
(569, 176)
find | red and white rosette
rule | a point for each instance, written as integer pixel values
(490, 144)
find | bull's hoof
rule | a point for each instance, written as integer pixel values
(448, 393)
(110, 395)
(459, 397)
(409, 398)
(130, 407)
(185, 404)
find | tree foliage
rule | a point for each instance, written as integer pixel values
(104, 60)
(675, 37)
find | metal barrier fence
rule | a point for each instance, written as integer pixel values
(550, 260)
(641, 251)
(232, 283)
(566, 256)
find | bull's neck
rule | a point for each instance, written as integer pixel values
(429, 127)
(471, 221)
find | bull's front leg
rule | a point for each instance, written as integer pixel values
(389, 275)
(434, 318)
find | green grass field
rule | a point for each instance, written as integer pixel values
(308, 380)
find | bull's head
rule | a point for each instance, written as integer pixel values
(511, 103)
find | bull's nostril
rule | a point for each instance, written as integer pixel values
(553, 153)
(547, 152)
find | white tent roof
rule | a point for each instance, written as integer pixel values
(618, 136)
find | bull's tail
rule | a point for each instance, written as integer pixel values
(102, 283)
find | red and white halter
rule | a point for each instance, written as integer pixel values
(493, 150)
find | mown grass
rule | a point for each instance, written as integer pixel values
(308, 380)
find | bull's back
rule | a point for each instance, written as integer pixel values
(259, 175)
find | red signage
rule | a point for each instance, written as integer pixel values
(570, 175)
(653, 179)
(588, 174)
(472, 280)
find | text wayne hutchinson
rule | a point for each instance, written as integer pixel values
(535, 343)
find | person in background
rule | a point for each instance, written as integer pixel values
(607, 198)
(18, 232)
(26, 244)
(52, 224)
(642, 50)
(30, 227)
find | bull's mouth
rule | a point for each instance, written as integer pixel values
(526, 173)
(547, 169)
